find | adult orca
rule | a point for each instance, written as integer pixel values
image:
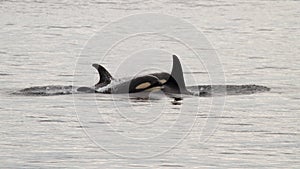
(175, 86)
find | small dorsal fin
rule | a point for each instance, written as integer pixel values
(175, 84)
(104, 76)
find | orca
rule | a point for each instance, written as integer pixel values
(109, 85)
(175, 86)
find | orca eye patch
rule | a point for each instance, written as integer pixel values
(162, 81)
(143, 85)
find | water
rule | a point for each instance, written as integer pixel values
(257, 43)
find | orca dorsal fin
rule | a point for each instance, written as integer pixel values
(175, 84)
(104, 76)
(177, 72)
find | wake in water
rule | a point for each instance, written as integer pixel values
(215, 90)
(47, 90)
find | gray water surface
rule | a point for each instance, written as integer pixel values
(257, 43)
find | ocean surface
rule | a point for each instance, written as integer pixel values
(46, 43)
